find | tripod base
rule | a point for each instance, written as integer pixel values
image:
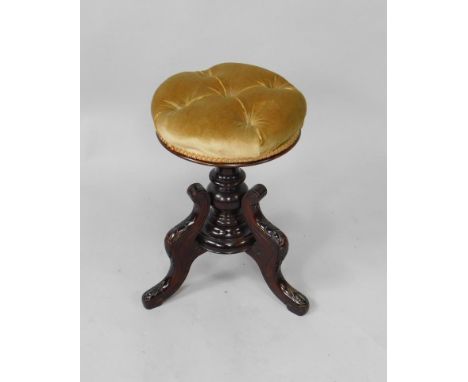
(226, 219)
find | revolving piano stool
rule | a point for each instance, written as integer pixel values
(228, 116)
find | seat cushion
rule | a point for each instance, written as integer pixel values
(231, 113)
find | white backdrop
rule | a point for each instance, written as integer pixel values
(225, 324)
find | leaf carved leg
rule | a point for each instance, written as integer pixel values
(182, 248)
(269, 251)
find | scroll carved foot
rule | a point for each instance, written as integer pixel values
(269, 251)
(182, 248)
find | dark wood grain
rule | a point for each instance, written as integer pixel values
(227, 219)
(182, 248)
(269, 250)
(225, 230)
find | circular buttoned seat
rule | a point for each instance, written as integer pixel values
(229, 114)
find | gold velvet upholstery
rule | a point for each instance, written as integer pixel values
(230, 113)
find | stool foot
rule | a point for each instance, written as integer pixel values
(182, 248)
(269, 251)
(227, 219)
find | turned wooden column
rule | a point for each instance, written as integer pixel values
(225, 230)
(227, 219)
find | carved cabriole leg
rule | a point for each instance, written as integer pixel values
(269, 251)
(182, 248)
